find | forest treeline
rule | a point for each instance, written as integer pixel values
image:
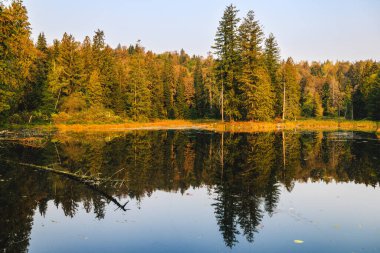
(244, 78)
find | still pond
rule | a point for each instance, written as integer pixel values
(191, 191)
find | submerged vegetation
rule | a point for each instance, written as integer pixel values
(90, 82)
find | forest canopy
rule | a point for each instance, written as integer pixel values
(244, 78)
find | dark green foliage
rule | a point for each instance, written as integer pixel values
(272, 62)
(291, 91)
(138, 93)
(168, 86)
(374, 100)
(16, 56)
(200, 92)
(256, 91)
(180, 99)
(36, 87)
(227, 62)
(245, 81)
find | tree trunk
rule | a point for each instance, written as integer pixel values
(222, 102)
(56, 103)
(284, 104)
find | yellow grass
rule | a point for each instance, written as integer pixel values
(315, 125)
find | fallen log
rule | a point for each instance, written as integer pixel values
(89, 181)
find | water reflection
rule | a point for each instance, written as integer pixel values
(244, 171)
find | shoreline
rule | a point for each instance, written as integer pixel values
(218, 126)
(206, 125)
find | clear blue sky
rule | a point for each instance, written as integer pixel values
(305, 29)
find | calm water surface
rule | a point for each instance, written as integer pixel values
(192, 191)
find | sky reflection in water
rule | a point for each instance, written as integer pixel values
(193, 192)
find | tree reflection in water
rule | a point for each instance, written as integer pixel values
(245, 171)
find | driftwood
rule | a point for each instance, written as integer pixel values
(90, 181)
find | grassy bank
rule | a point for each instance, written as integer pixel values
(315, 125)
(211, 125)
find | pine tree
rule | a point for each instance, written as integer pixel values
(138, 94)
(94, 90)
(311, 103)
(272, 62)
(103, 60)
(121, 73)
(65, 77)
(255, 81)
(180, 100)
(156, 86)
(374, 100)
(87, 59)
(16, 54)
(211, 88)
(108, 78)
(35, 89)
(227, 63)
(98, 45)
(259, 98)
(291, 91)
(200, 94)
(168, 81)
(69, 60)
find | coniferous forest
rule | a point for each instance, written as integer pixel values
(243, 78)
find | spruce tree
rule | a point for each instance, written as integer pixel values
(138, 93)
(69, 60)
(168, 81)
(200, 96)
(103, 60)
(291, 91)
(211, 88)
(94, 90)
(86, 56)
(155, 86)
(108, 78)
(374, 100)
(180, 100)
(227, 62)
(65, 77)
(17, 54)
(37, 85)
(272, 62)
(257, 95)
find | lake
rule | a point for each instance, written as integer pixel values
(191, 191)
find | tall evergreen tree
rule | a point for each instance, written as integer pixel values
(65, 77)
(374, 100)
(255, 81)
(95, 93)
(98, 45)
(35, 89)
(168, 81)
(227, 62)
(258, 96)
(104, 62)
(86, 56)
(180, 99)
(272, 62)
(291, 91)
(200, 96)
(156, 86)
(16, 54)
(138, 94)
(211, 88)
